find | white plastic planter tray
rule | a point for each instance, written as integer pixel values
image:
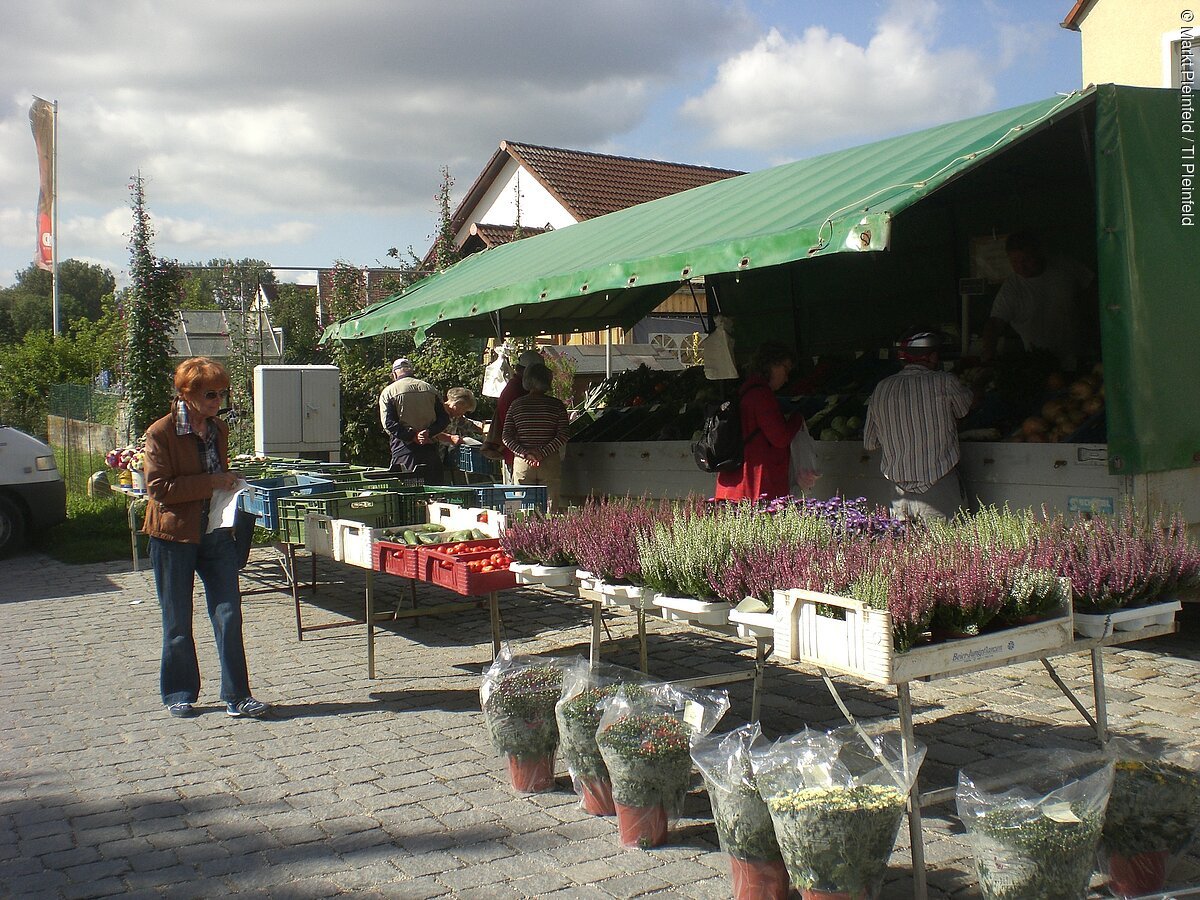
(587, 581)
(551, 576)
(629, 595)
(753, 624)
(861, 643)
(1098, 625)
(689, 609)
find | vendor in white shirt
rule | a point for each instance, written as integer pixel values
(1049, 302)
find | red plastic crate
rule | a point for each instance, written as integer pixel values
(425, 561)
(396, 559)
(458, 578)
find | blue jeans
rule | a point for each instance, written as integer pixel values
(176, 565)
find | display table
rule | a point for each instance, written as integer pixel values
(131, 511)
(1096, 718)
(764, 645)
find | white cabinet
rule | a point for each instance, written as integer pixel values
(298, 411)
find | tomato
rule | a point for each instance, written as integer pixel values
(488, 569)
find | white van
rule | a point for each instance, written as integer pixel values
(33, 495)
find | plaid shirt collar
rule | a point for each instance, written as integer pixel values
(183, 425)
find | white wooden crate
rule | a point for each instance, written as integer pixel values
(861, 644)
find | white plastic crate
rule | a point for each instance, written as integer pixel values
(320, 536)
(354, 543)
(454, 518)
(861, 643)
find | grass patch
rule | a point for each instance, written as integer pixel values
(96, 530)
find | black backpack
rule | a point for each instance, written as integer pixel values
(719, 445)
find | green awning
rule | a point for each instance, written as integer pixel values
(612, 270)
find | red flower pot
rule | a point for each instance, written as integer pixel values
(597, 796)
(759, 879)
(641, 827)
(531, 774)
(1142, 873)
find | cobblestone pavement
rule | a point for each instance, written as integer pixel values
(388, 787)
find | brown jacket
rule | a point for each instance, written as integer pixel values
(176, 481)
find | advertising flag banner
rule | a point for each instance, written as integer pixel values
(41, 120)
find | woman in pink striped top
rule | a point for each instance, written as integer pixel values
(535, 430)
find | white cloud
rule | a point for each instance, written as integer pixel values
(787, 95)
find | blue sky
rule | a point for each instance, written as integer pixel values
(278, 131)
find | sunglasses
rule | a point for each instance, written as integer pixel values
(213, 395)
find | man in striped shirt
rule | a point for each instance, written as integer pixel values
(535, 430)
(913, 416)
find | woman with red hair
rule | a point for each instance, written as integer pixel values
(187, 453)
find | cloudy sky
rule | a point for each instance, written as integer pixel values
(305, 132)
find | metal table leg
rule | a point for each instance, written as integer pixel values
(291, 564)
(594, 651)
(1100, 696)
(370, 604)
(494, 608)
(763, 648)
(131, 512)
(643, 656)
(916, 839)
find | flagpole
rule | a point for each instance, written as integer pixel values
(54, 227)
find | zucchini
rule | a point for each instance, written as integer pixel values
(410, 537)
(479, 535)
(429, 538)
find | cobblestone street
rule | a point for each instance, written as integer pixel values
(388, 787)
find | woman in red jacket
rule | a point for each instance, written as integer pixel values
(766, 434)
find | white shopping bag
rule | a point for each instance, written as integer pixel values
(717, 352)
(802, 470)
(496, 373)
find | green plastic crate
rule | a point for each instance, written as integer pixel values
(415, 499)
(378, 509)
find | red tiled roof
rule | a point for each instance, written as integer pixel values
(593, 184)
(590, 184)
(1077, 13)
(495, 235)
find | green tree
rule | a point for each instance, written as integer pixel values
(294, 309)
(150, 305)
(82, 287)
(29, 368)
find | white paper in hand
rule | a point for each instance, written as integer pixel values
(223, 506)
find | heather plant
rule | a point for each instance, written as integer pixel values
(681, 555)
(539, 540)
(1127, 560)
(602, 536)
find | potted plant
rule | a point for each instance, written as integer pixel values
(742, 819)
(1122, 567)
(837, 801)
(539, 554)
(519, 709)
(602, 536)
(1153, 816)
(647, 756)
(578, 718)
(1035, 822)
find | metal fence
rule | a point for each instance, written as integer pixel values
(84, 423)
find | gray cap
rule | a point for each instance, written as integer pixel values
(529, 358)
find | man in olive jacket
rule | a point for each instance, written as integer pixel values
(412, 414)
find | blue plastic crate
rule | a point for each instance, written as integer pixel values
(510, 498)
(262, 497)
(471, 459)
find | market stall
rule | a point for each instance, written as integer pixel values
(841, 252)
